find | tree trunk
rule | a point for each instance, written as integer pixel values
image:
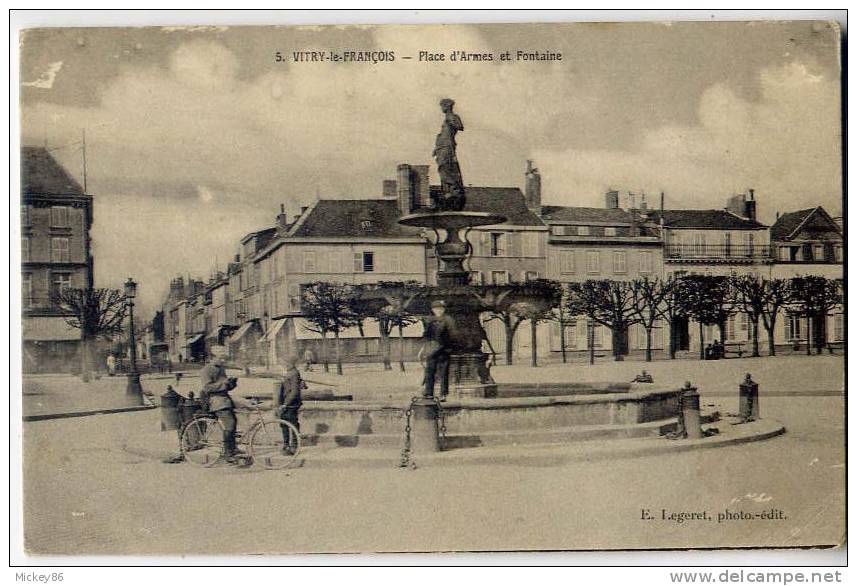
(754, 331)
(85, 360)
(509, 335)
(401, 349)
(771, 348)
(701, 343)
(808, 335)
(671, 341)
(383, 326)
(533, 342)
(648, 344)
(325, 360)
(721, 327)
(590, 340)
(617, 344)
(562, 340)
(338, 353)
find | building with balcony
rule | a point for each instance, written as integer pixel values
(56, 219)
(601, 243)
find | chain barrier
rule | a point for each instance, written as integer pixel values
(406, 451)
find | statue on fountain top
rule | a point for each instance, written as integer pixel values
(452, 185)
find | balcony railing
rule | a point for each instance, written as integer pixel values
(718, 252)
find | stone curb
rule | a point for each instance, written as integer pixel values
(66, 415)
(532, 455)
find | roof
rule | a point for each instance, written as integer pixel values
(507, 201)
(789, 223)
(41, 174)
(578, 214)
(375, 218)
(713, 219)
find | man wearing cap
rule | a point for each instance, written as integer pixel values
(215, 393)
(289, 401)
(435, 351)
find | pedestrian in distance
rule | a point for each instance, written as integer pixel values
(309, 359)
(111, 365)
(288, 402)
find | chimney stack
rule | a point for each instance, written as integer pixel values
(750, 206)
(643, 205)
(282, 219)
(405, 189)
(388, 189)
(533, 188)
(420, 178)
(662, 201)
(611, 200)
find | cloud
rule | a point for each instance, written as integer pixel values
(46, 80)
(198, 152)
(786, 145)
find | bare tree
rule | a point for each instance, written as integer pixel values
(329, 307)
(563, 314)
(774, 295)
(708, 300)
(608, 303)
(388, 302)
(649, 296)
(538, 309)
(97, 313)
(750, 295)
(813, 297)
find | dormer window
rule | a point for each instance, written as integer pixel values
(367, 225)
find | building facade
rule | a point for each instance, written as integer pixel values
(56, 219)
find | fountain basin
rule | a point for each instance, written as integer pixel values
(516, 415)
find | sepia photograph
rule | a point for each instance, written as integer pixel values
(429, 288)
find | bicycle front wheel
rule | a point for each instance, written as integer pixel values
(202, 441)
(275, 444)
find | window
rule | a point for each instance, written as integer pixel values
(786, 253)
(59, 217)
(25, 248)
(309, 262)
(27, 290)
(583, 230)
(646, 262)
(745, 322)
(597, 336)
(25, 215)
(499, 278)
(730, 328)
(837, 253)
(60, 282)
(838, 327)
(368, 262)
(566, 266)
(294, 290)
(699, 244)
(531, 276)
(497, 244)
(59, 250)
(476, 278)
(530, 244)
(609, 231)
(792, 325)
(593, 262)
(619, 262)
(749, 238)
(558, 230)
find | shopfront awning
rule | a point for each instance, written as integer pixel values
(240, 333)
(273, 330)
(303, 331)
(195, 339)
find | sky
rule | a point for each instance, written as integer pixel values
(196, 135)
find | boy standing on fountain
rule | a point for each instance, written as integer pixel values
(435, 351)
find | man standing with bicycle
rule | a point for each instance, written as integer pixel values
(215, 394)
(288, 401)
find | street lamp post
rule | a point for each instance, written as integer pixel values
(134, 391)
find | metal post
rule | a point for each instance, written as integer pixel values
(748, 399)
(690, 411)
(424, 426)
(134, 391)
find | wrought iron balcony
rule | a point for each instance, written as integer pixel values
(725, 253)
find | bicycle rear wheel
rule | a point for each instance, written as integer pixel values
(275, 444)
(202, 441)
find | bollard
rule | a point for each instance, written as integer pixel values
(748, 400)
(170, 415)
(690, 411)
(424, 427)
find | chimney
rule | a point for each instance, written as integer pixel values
(304, 209)
(635, 224)
(388, 189)
(404, 189)
(237, 258)
(750, 206)
(421, 186)
(296, 218)
(611, 200)
(643, 205)
(282, 219)
(662, 201)
(533, 188)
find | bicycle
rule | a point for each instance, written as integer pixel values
(202, 440)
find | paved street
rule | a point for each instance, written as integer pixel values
(84, 494)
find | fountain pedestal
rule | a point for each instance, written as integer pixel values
(469, 374)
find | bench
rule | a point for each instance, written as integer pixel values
(733, 348)
(838, 345)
